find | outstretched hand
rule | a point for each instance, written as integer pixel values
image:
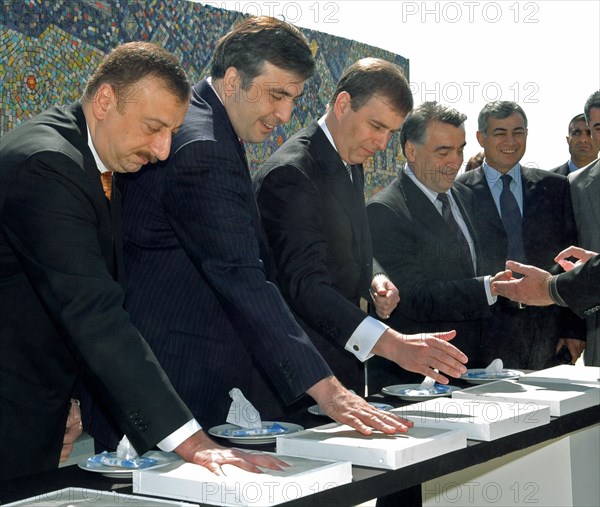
(423, 353)
(531, 289)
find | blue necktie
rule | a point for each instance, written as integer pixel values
(448, 217)
(512, 221)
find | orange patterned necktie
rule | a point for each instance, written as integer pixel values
(106, 178)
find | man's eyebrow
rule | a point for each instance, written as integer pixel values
(378, 123)
(444, 147)
(283, 91)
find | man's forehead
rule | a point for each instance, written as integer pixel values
(579, 124)
(515, 119)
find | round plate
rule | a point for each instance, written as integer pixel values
(408, 391)
(316, 410)
(222, 431)
(479, 375)
(164, 458)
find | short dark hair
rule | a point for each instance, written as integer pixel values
(374, 76)
(258, 40)
(593, 101)
(131, 62)
(578, 117)
(499, 109)
(415, 124)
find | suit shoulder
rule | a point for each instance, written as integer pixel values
(546, 177)
(469, 178)
(561, 169)
(584, 173)
(387, 194)
(199, 125)
(54, 131)
(295, 154)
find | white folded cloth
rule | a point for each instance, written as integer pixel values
(242, 413)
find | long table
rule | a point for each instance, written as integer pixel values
(367, 483)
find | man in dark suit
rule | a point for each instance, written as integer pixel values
(61, 270)
(310, 196)
(195, 250)
(424, 240)
(585, 193)
(578, 288)
(582, 147)
(523, 214)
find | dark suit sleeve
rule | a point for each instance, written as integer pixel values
(571, 326)
(211, 207)
(290, 207)
(580, 288)
(51, 225)
(408, 259)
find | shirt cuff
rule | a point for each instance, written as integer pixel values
(179, 436)
(365, 337)
(553, 292)
(488, 290)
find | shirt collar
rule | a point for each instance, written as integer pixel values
(101, 167)
(493, 176)
(327, 133)
(427, 191)
(209, 81)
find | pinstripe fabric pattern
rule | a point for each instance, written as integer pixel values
(197, 289)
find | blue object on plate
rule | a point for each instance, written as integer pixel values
(273, 429)
(110, 459)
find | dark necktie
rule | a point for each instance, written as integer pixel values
(454, 227)
(106, 178)
(354, 173)
(512, 221)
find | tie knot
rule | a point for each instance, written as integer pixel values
(443, 198)
(506, 180)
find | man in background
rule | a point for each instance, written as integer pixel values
(582, 147)
(523, 214)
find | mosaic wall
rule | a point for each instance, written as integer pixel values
(49, 48)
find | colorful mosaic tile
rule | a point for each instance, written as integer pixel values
(49, 48)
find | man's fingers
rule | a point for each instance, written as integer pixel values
(446, 335)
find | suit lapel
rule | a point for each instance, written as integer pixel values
(348, 194)
(429, 218)
(109, 213)
(531, 204)
(486, 206)
(422, 208)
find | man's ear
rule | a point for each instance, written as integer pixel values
(231, 81)
(342, 104)
(104, 99)
(410, 150)
(480, 138)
